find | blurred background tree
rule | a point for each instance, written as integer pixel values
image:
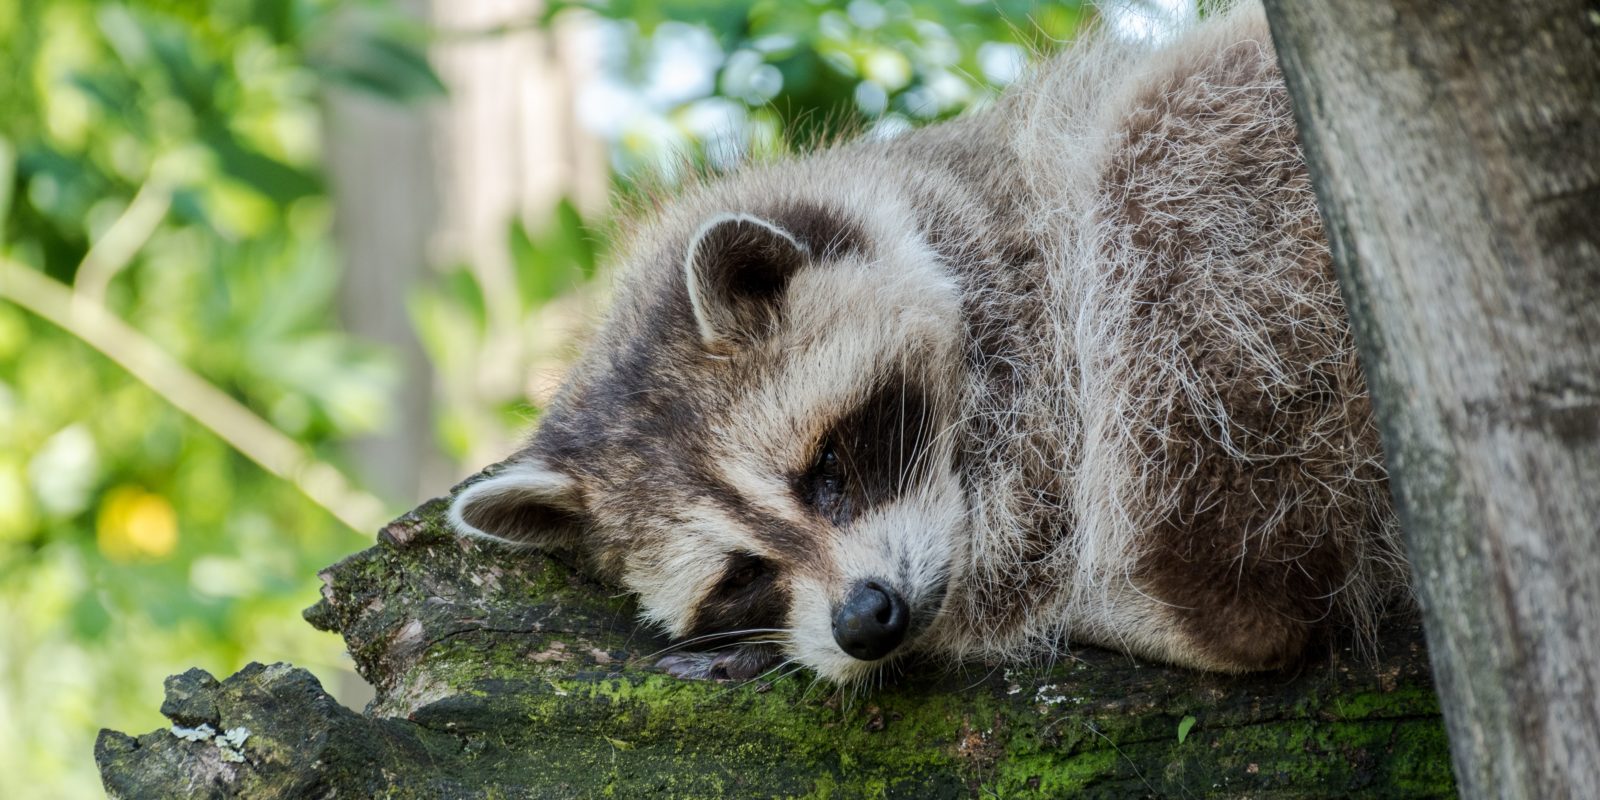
(273, 270)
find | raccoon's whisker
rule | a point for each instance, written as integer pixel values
(982, 680)
(746, 682)
(740, 685)
(796, 670)
(784, 663)
(900, 457)
(675, 646)
(910, 467)
(1096, 731)
(928, 449)
(799, 668)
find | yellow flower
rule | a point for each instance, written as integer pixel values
(135, 523)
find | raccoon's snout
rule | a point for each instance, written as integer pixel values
(871, 622)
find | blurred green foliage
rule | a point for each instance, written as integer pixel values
(160, 157)
(789, 75)
(133, 541)
(464, 328)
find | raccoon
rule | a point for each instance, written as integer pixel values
(1070, 369)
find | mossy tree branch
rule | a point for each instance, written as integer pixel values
(509, 675)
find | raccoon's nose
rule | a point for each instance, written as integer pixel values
(871, 622)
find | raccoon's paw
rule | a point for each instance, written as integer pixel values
(735, 664)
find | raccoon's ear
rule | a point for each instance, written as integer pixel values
(527, 503)
(737, 268)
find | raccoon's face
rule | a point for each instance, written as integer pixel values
(761, 441)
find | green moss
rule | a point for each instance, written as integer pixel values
(1044, 775)
(516, 683)
(1405, 701)
(626, 731)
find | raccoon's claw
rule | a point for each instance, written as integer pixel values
(738, 664)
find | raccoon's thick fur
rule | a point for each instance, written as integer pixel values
(1071, 369)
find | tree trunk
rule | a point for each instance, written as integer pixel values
(380, 169)
(419, 188)
(508, 675)
(510, 148)
(1456, 153)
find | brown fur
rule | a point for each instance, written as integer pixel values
(1251, 573)
(1082, 354)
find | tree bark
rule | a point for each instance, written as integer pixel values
(502, 674)
(1456, 153)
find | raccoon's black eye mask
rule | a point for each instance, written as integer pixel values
(822, 488)
(743, 571)
(871, 455)
(747, 596)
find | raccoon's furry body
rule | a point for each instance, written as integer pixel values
(1070, 369)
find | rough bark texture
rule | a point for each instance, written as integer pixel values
(1456, 151)
(509, 675)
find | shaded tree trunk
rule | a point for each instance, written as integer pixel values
(1456, 153)
(382, 178)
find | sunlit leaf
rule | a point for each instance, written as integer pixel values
(582, 243)
(544, 267)
(276, 17)
(193, 81)
(189, 208)
(135, 524)
(90, 619)
(115, 94)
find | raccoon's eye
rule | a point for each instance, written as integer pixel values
(830, 472)
(823, 486)
(744, 570)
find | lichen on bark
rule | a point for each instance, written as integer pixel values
(502, 674)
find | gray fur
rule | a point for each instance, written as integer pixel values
(1139, 418)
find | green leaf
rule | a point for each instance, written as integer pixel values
(526, 260)
(188, 206)
(276, 17)
(381, 64)
(195, 83)
(114, 93)
(546, 267)
(583, 243)
(279, 182)
(445, 332)
(1184, 726)
(564, 254)
(90, 619)
(461, 285)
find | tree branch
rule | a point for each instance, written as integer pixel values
(213, 408)
(121, 242)
(505, 674)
